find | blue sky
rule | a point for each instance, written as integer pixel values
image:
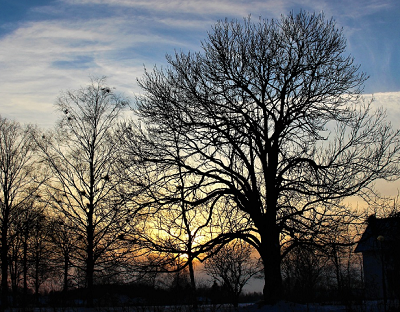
(47, 46)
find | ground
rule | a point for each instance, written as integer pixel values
(372, 306)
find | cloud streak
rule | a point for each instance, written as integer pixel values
(63, 42)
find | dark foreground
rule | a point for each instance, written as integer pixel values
(283, 306)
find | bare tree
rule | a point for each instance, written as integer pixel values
(233, 266)
(338, 244)
(82, 156)
(29, 256)
(269, 118)
(40, 251)
(175, 231)
(18, 184)
(64, 239)
(175, 235)
(304, 272)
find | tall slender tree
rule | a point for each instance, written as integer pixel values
(18, 184)
(82, 156)
(270, 120)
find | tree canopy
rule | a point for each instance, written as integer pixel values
(268, 119)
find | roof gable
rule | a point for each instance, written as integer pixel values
(380, 233)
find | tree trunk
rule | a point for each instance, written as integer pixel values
(271, 257)
(90, 230)
(270, 251)
(37, 277)
(25, 267)
(192, 282)
(90, 263)
(66, 267)
(272, 291)
(4, 264)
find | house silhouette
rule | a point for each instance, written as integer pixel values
(380, 248)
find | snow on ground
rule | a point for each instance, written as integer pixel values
(367, 306)
(283, 306)
(292, 307)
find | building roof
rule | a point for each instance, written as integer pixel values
(379, 234)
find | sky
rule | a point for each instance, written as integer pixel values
(49, 46)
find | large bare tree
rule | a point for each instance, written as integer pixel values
(18, 184)
(268, 118)
(82, 156)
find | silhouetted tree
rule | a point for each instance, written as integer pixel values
(304, 271)
(64, 240)
(30, 253)
(175, 232)
(233, 265)
(323, 245)
(174, 237)
(338, 243)
(269, 118)
(82, 156)
(40, 251)
(18, 184)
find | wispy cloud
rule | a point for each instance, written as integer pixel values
(77, 62)
(60, 44)
(196, 7)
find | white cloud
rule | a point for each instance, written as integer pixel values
(390, 101)
(200, 7)
(30, 80)
(40, 58)
(240, 8)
